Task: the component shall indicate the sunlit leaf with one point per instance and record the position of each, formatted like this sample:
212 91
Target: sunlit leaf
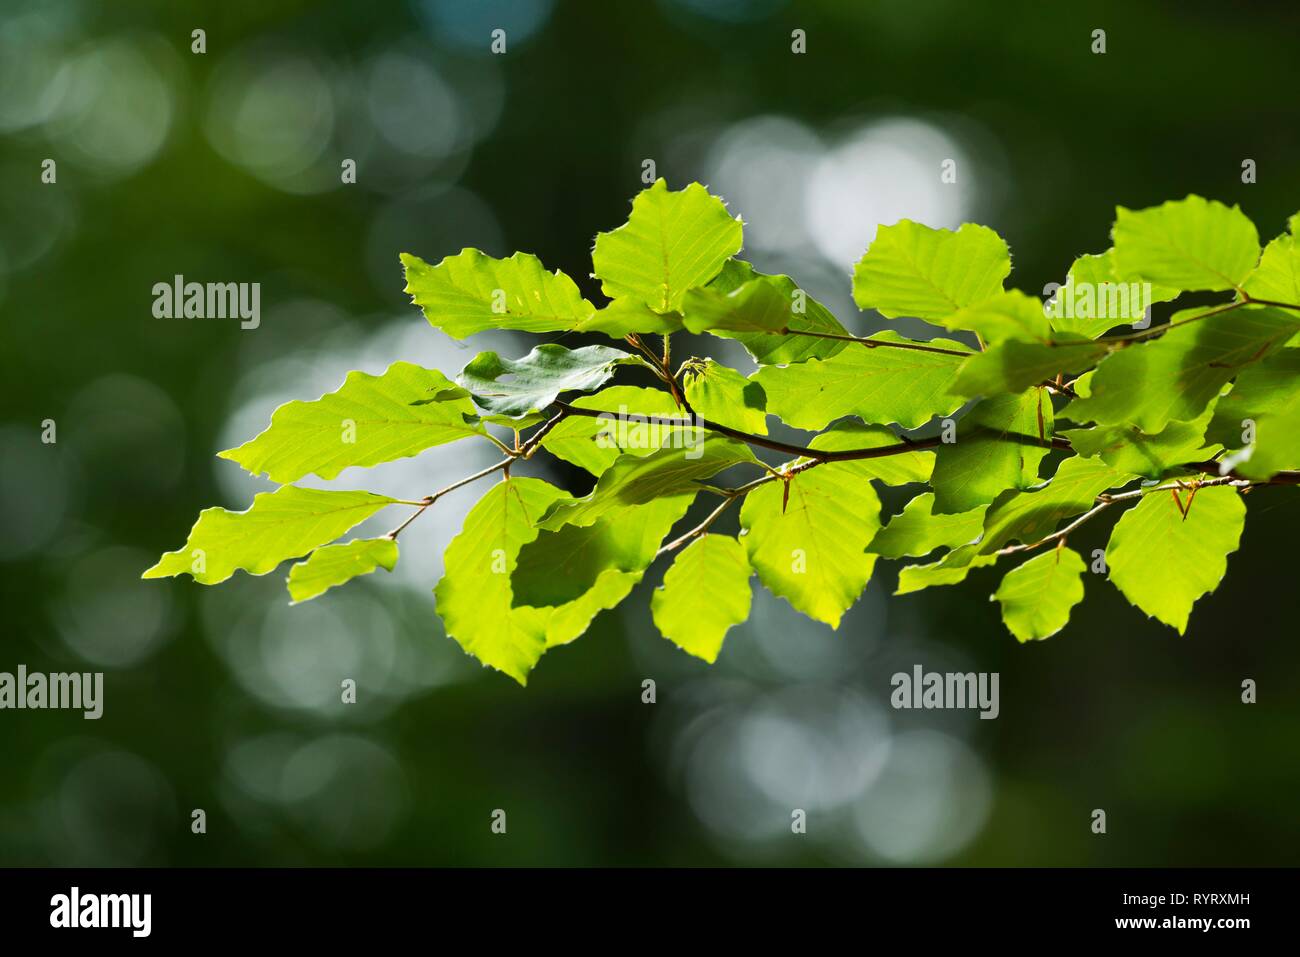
672 242
471 292
913 270
1037 596
1189 243
917 531
704 593
998 446
720 394
809 546
368 420
1163 560
878 385
337 564
286 523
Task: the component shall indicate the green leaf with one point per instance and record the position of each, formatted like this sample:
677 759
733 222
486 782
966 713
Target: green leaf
286 523
879 385
337 564
777 349
913 270
637 424
1008 315
474 597
720 394
1031 515
368 420
1278 274
516 387
900 468
570 620
1094 299
999 445
1264 404
1129 449
672 242
704 593
951 569
1175 377
623 317
1163 562
1186 244
1014 366
1036 597
635 480
811 548
756 307
917 531
471 292
561 566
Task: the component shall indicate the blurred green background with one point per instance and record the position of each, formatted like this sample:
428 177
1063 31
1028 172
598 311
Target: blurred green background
224 166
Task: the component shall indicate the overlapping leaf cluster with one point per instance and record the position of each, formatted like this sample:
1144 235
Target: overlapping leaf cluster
1021 424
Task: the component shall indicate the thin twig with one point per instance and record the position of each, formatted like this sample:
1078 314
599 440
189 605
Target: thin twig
915 347
524 451
1105 501
430 499
877 343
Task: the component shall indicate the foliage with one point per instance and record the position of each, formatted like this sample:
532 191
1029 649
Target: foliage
1172 424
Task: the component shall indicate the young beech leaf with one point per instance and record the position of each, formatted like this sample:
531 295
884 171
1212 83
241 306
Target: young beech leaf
900 468
1129 449
518 387
1036 597
672 242
880 385
1185 244
1278 274
623 317
1267 397
951 569
811 549
720 394
640 421
1030 515
471 291
570 620
913 270
1173 378
474 597
286 523
336 564
758 306
917 531
561 566
368 420
806 315
1010 315
636 480
704 593
1163 561
999 445
1013 366
1095 300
